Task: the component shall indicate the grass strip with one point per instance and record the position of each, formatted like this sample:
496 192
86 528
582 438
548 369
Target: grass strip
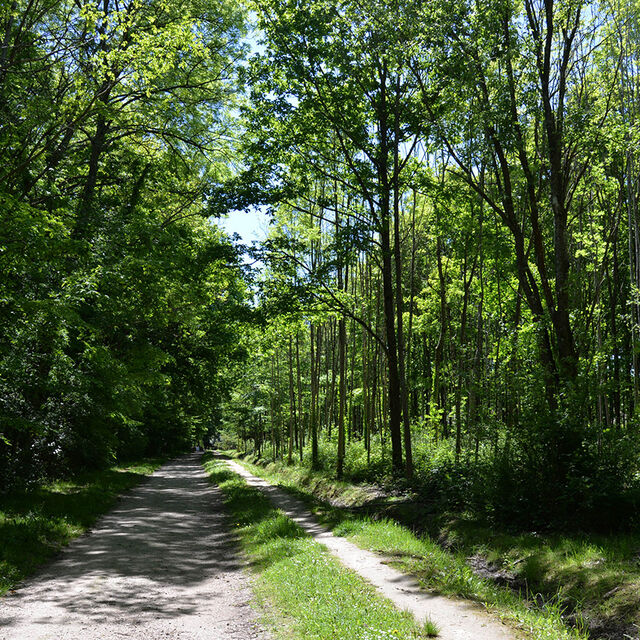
309 593
35 524
436 569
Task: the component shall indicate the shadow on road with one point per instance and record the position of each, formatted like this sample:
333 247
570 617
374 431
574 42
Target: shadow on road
154 556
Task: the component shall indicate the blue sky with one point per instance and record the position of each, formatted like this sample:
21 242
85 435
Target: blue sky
251 225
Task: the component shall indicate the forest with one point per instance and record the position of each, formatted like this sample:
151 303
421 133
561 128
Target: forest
450 289
448 296
120 305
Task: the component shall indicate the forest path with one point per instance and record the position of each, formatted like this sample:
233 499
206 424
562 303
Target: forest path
456 619
161 564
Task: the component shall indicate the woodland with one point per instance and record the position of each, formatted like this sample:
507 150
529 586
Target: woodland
448 296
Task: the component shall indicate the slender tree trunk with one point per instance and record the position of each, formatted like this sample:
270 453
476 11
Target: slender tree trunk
397 251
315 380
342 343
301 434
292 405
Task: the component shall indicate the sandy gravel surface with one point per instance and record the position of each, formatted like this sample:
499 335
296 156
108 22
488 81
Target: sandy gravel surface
161 565
456 619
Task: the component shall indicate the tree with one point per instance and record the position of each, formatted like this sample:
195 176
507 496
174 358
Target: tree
120 303
339 76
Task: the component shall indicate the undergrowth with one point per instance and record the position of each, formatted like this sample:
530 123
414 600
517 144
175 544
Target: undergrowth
599 494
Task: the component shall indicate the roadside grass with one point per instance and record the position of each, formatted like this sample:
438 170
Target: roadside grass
35 524
595 576
307 593
555 615
430 629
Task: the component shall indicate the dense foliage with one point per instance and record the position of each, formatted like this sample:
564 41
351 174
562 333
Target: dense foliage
120 303
451 290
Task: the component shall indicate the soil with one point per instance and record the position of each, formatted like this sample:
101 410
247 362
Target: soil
485 569
161 565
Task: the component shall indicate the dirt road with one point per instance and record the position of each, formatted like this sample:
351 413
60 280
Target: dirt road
161 565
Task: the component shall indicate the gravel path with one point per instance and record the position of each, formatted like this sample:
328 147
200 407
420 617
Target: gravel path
161 565
456 619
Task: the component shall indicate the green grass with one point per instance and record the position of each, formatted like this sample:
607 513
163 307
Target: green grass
36 524
598 576
430 629
307 593
443 570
